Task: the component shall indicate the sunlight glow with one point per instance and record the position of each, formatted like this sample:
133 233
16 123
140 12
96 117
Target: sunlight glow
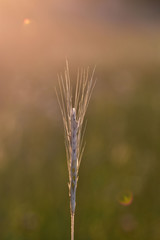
27 21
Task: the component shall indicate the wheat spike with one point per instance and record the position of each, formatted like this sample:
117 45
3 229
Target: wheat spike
73 112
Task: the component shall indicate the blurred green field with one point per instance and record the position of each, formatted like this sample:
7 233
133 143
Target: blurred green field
118 193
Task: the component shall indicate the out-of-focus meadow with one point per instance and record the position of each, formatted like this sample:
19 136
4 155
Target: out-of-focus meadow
118 194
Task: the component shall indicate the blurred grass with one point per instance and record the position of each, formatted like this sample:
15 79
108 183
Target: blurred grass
121 157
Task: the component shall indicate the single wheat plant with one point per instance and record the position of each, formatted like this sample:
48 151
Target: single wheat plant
73 109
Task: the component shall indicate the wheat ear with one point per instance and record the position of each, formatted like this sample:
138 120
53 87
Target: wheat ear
73 112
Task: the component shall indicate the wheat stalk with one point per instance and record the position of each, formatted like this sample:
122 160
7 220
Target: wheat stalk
73 111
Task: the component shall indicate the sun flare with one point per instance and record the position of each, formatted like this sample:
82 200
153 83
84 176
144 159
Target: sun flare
27 21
